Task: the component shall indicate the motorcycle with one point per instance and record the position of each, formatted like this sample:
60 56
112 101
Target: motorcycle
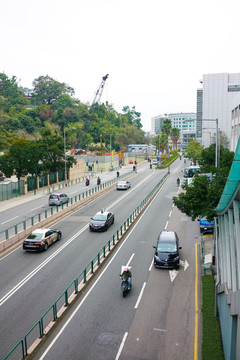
87 182
98 181
124 286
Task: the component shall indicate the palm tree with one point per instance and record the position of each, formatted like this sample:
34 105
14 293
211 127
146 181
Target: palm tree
175 135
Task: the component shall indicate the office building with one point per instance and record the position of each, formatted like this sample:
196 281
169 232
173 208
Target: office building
156 124
186 123
214 101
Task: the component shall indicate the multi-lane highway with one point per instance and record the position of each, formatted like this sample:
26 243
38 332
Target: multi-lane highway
30 282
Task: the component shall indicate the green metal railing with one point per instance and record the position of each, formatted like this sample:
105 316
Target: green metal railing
23 225
63 299
11 190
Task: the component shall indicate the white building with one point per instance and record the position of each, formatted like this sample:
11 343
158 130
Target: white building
156 123
186 123
216 95
235 124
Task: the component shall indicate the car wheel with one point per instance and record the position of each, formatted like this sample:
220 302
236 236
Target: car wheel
113 221
59 237
90 229
106 227
45 246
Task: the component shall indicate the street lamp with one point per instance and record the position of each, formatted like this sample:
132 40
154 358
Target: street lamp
65 157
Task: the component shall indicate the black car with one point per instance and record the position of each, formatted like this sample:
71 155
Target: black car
167 250
101 221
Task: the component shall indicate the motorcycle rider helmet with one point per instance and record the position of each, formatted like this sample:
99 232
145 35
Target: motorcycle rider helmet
126 269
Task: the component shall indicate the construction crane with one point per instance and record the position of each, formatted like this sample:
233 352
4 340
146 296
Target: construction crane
99 91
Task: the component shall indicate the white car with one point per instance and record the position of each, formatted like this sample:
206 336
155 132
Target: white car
123 185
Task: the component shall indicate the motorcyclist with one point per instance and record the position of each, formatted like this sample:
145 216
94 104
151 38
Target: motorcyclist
178 181
98 180
127 275
117 174
87 181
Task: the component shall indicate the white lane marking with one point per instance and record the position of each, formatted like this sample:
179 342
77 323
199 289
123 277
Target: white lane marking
37 207
130 259
10 252
140 296
93 286
121 346
39 267
9 220
166 225
170 214
150 267
159 329
173 274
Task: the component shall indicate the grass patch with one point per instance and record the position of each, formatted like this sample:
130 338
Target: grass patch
211 337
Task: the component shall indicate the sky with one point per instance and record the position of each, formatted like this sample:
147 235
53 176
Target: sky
154 51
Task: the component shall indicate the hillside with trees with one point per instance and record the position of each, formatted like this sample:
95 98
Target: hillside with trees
33 122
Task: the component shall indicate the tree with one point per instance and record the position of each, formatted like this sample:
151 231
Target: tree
193 151
47 90
161 141
200 197
134 117
167 126
9 90
222 139
21 158
175 135
52 151
207 160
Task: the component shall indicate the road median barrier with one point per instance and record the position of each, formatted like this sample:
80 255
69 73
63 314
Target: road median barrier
27 346
19 231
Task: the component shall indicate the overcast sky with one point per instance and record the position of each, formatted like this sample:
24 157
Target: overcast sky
154 51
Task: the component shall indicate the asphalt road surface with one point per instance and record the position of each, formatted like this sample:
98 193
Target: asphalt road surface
103 324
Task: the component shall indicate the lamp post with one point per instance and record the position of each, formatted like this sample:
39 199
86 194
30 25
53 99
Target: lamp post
65 155
65 160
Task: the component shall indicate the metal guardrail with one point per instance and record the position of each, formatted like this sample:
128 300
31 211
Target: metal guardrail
63 299
33 220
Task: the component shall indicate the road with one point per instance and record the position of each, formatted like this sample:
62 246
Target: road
13 215
104 317
30 282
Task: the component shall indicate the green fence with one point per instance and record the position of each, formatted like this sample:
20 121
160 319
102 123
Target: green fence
11 190
27 223
73 287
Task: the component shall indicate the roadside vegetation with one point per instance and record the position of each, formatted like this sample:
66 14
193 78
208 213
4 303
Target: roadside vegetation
211 333
33 123
202 196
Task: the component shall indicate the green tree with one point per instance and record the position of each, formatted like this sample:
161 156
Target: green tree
175 135
134 117
47 90
222 139
161 141
167 126
193 151
21 158
52 151
9 90
200 197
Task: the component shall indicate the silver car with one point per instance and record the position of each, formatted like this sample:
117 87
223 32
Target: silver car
57 199
123 185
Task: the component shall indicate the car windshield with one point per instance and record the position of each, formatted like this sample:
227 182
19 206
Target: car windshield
35 236
168 248
99 217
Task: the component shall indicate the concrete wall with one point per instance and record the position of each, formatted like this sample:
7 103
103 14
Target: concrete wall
78 170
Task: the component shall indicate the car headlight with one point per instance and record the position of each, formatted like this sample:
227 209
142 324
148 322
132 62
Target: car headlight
156 258
102 225
176 258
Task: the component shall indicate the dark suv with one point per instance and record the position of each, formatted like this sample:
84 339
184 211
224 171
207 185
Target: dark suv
167 250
